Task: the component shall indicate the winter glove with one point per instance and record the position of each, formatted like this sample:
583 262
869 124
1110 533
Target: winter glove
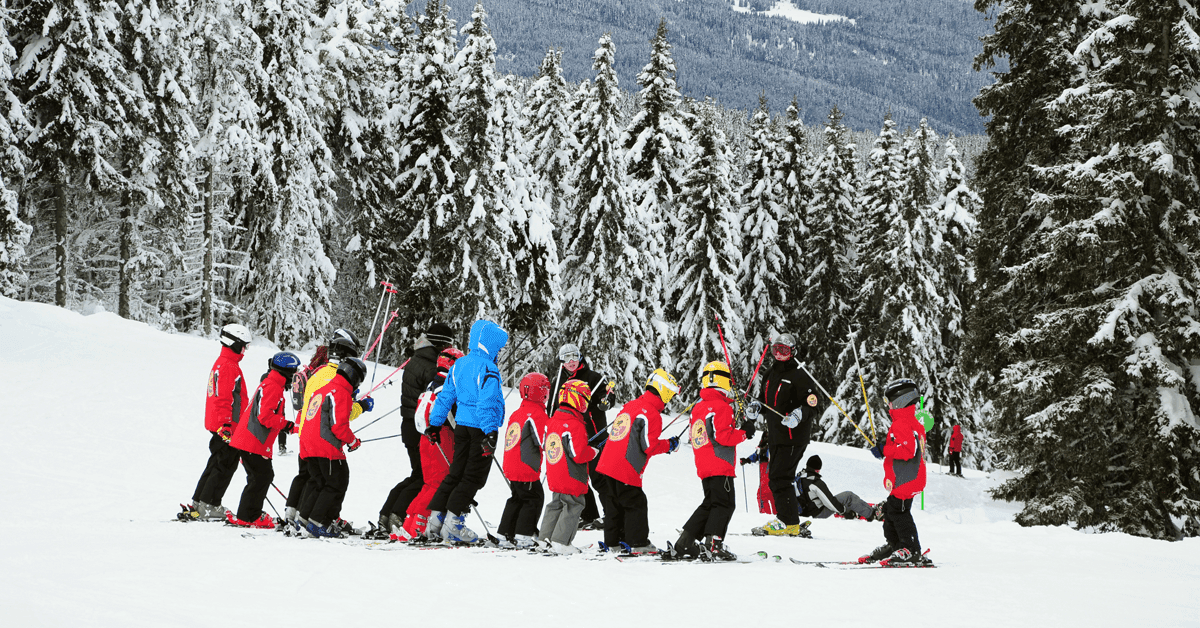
434 434
744 461
792 419
748 428
674 444
489 443
877 451
288 427
367 404
354 445
226 432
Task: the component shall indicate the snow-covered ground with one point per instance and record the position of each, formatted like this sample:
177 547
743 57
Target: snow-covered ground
787 10
103 437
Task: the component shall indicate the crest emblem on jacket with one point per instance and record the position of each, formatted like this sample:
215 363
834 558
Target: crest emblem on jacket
554 448
620 427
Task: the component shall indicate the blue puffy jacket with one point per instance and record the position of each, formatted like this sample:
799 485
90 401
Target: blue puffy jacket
474 382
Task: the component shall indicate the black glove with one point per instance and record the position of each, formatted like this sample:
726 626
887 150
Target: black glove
287 428
744 461
434 433
877 450
489 443
748 428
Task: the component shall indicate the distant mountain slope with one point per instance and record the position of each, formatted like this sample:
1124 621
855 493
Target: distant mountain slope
913 57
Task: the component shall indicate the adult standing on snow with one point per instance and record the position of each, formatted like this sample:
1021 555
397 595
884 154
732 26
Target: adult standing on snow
262 421
222 410
903 454
419 372
632 439
714 442
573 366
474 384
955 449
790 398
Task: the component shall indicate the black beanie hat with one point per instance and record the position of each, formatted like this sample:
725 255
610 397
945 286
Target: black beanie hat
440 335
813 464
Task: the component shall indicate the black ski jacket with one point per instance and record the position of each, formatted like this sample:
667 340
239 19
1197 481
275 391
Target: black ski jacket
418 373
814 496
597 418
785 388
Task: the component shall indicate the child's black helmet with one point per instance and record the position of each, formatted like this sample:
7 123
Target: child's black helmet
344 344
354 370
902 393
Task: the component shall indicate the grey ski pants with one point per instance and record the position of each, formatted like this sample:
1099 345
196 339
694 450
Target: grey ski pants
561 518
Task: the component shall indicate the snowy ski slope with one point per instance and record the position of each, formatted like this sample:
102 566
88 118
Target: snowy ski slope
103 436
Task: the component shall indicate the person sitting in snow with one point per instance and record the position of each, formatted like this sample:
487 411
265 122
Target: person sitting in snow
818 502
254 439
903 455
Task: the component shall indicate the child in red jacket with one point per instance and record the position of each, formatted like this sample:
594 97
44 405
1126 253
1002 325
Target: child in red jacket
254 438
567 456
956 450
903 454
714 442
523 463
436 454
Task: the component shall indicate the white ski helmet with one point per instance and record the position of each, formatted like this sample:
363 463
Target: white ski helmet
235 336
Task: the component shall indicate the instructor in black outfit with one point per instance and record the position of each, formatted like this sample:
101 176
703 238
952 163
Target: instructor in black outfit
791 406
574 366
419 371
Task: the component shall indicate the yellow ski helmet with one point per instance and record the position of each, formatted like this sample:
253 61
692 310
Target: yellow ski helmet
716 374
575 393
663 383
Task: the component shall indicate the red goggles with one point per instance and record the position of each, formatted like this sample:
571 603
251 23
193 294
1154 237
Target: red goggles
781 352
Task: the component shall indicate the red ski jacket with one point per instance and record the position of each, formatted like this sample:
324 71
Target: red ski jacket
714 438
904 454
226 391
633 438
956 440
263 418
568 452
523 442
328 419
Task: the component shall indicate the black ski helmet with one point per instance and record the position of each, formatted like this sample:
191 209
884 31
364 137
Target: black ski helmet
902 393
343 344
354 370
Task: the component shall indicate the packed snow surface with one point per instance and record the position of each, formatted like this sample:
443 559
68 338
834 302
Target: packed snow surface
787 10
104 437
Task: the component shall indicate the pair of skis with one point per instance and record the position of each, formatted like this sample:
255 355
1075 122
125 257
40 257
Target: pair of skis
855 564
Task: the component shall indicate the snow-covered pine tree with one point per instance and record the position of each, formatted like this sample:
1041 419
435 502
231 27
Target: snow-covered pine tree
483 270
954 212
601 258
918 187
426 184
291 201
795 167
156 158
529 309
71 77
761 280
1098 397
706 256
554 147
14 128
657 145
831 281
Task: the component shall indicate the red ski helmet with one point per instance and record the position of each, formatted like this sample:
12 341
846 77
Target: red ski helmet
535 387
447 358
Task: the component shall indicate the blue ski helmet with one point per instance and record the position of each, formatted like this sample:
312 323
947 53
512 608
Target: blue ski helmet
286 362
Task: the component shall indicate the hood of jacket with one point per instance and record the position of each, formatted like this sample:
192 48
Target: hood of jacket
229 354
957 430
487 337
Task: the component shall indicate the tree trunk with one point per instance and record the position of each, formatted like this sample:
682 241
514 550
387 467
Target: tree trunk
60 238
206 279
126 236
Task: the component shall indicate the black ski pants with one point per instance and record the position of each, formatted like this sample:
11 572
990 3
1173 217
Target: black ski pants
259 475
402 495
297 491
468 473
332 480
713 515
899 529
521 511
222 462
626 516
781 474
956 463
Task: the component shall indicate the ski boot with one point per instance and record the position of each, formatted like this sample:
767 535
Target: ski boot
189 513
345 527
685 548
378 532
876 512
714 551
524 542
642 550
456 532
209 512
563 550
433 527
905 557
321 531
878 554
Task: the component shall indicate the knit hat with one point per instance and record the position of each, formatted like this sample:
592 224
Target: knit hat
440 335
813 464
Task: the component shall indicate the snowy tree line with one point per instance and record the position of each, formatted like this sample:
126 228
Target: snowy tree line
193 163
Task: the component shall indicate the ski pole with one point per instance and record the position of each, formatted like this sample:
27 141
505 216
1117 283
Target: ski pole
278 491
378 308
382 438
755 374
490 538
493 457
728 362
835 403
386 379
858 367
385 415
277 512
745 492
386 324
680 415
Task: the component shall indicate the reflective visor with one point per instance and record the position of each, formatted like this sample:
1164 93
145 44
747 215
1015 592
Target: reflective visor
781 352
568 357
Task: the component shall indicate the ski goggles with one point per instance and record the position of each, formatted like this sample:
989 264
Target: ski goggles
781 351
573 356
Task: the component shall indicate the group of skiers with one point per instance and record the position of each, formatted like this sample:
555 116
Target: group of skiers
453 413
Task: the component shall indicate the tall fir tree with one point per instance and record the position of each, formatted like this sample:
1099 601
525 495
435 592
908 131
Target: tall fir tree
14 129
291 200
601 261
706 258
1098 397
762 282
795 168
554 146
